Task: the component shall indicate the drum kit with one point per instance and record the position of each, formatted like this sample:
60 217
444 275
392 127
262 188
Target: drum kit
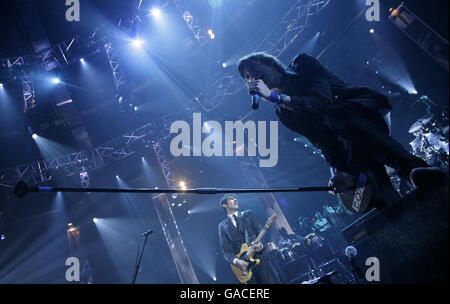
297 258
423 148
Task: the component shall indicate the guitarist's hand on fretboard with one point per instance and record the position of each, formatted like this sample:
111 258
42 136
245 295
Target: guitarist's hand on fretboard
257 247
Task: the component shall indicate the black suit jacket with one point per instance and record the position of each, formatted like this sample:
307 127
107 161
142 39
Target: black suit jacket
232 238
325 110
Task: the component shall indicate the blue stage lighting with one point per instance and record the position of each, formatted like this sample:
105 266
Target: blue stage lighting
34 136
156 12
137 43
56 80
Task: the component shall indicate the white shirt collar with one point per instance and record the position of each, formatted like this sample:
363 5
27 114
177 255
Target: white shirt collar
236 213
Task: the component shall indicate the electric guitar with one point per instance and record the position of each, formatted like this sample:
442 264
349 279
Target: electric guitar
247 253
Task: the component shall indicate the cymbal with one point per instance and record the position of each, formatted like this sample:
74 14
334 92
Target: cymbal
427 119
420 123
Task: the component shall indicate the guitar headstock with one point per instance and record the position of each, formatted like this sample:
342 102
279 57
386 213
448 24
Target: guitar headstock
271 220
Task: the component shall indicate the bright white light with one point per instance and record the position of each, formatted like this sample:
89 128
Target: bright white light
189 211
211 34
56 80
137 43
372 31
34 136
117 176
414 92
156 12
214 279
95 220
82 60
135 108
224 65
182 184
1 85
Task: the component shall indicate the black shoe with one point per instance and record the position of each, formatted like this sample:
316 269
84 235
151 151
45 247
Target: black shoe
426 178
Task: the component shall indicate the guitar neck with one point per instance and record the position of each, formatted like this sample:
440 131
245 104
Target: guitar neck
261 234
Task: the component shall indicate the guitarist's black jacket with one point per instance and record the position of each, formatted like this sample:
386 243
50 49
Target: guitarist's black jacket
232 238
346 123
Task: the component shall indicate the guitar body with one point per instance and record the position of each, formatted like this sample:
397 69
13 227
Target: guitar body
247 254
241 275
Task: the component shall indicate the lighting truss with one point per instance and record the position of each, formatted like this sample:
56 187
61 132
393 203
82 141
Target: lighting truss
114 62
117 149
28 92
276 42
192 22
164 164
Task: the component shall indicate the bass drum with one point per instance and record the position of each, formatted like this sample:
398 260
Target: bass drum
287 255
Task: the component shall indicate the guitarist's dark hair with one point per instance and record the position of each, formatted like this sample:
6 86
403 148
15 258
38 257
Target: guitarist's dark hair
224 200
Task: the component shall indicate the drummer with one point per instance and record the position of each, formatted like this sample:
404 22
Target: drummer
288 239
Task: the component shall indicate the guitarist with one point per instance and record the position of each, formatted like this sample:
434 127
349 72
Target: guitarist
238 228
350 125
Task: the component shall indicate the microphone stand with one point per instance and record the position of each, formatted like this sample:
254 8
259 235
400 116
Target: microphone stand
139 258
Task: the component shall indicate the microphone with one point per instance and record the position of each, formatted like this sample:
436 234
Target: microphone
255 96
351 253
255 101
147 232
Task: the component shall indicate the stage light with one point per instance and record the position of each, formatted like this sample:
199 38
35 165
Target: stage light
137 43
189 212
95 220
214 279
135 108
182 184
56 80
1 85
224 65
34 136
117 176
414 92
156 12
372 31
82 60
70 224
211 34
2 237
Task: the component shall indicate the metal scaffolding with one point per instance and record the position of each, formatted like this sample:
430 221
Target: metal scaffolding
113 58
422 34
200 34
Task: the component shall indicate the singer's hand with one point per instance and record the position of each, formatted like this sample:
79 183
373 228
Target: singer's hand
259 87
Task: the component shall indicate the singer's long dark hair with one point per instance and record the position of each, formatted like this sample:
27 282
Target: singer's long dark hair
263 58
